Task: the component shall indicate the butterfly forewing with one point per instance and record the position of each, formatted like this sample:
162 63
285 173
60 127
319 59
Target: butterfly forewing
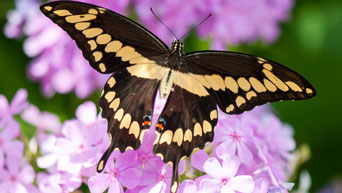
240 82
108 40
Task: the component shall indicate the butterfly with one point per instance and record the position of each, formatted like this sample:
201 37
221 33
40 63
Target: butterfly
194 83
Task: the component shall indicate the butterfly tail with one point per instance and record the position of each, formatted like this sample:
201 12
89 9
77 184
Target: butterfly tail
175 178
102 163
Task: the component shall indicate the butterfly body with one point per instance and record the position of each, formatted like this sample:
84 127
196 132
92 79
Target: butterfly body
194 83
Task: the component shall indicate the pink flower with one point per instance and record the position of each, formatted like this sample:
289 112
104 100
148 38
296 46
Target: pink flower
122 172
13 149
16 177
82 139
18 103
233 139
221 178
46 124
58 182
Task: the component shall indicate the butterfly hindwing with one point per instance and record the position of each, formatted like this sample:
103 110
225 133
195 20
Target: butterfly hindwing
240 81
127 104
107 40
187 122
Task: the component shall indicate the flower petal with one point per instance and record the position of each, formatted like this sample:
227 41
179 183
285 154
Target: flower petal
243 183
99 183
209 185
115 187
198 159
26 175
230 166
19 102
244 153
213 168
227 148
86 113
188 186
130 178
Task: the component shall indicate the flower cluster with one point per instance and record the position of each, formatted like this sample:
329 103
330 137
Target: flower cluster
60 67
251 153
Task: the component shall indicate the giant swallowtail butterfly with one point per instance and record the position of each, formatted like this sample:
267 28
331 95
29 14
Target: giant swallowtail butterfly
194 83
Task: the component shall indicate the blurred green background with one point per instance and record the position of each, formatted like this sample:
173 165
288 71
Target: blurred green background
310 43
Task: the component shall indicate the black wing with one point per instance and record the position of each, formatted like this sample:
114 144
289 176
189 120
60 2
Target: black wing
107 39
240 82
236 82
114 43
127 104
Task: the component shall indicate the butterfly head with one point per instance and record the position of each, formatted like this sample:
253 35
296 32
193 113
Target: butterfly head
177 47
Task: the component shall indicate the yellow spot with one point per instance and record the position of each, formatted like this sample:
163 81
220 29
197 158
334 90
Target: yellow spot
62 12
103 39
118 115
129 148
110 96
116 149
206 127
48 8
82 26
187 82
188 135
100 166
142 133
231 84
250 94
178 136
111 82
216 82
197 129
92 32
239 101
92 45
126 53
160 155
97 56
229 109
174 187
308 91
269 85
102 67
280 84
166 137
257 85
93 11
113 46
134 129
213 115
244 84
267 66
115 104
102 10
102 93
294 86
261 60
126 121
80 18
157 138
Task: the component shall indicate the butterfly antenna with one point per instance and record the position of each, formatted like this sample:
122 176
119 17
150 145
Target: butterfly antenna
163 23
193 28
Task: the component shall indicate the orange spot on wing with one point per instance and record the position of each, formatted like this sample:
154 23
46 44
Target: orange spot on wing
160 126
